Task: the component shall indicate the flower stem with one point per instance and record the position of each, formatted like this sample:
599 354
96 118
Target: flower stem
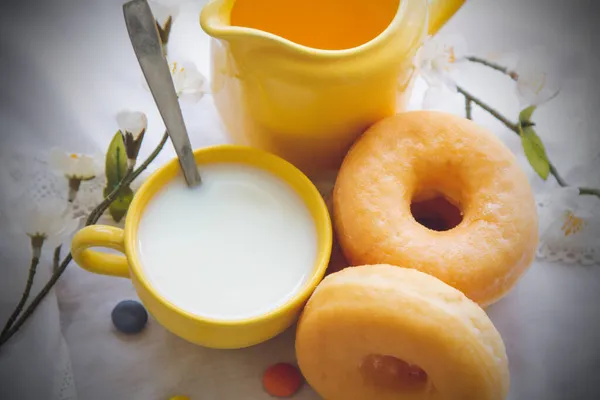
585 191
493 65
56 258
9 330
469 108
515 128
74 184
150 158
32 270
510 125
36 301
557 176
487 63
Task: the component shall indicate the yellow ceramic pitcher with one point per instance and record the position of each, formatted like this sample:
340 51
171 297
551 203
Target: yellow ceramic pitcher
304 78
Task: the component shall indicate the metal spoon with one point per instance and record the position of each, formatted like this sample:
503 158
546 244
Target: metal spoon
143 33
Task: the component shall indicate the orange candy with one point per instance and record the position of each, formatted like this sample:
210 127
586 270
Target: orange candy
282 380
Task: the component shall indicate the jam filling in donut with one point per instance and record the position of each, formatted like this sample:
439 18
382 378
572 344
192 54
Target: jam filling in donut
392 373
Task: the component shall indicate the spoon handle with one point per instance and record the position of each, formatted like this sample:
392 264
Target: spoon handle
143 33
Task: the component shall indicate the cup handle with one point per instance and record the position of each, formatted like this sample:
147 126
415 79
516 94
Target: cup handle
440 12
95 261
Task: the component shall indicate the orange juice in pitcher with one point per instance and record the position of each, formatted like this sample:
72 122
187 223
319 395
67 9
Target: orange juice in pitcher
304 78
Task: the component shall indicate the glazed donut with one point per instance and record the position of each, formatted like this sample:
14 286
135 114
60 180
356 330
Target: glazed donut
438 193
384 332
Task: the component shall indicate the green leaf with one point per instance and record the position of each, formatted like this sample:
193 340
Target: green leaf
115 169
116 161
525 115
535 151
118 208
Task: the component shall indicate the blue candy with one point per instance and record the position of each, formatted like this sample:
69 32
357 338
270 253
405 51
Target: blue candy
129 317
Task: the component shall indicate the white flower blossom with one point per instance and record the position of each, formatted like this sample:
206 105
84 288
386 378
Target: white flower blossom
437 62
132 125
47 222
189 83
75 167
569 220
534 85
133 122
535 88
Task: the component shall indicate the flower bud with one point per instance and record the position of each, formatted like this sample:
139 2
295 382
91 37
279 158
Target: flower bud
132 125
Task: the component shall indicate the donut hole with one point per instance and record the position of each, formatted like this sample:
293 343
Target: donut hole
436 213
392 373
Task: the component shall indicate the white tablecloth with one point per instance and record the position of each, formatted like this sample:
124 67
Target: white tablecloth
68 69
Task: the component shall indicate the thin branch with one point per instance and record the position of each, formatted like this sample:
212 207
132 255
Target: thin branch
150 158
487 63
36 301
469 108
56 258
515 128
98 211
32 269
510 125
585 191
493 65
557 176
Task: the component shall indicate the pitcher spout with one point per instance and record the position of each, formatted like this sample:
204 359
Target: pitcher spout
215 18
216 21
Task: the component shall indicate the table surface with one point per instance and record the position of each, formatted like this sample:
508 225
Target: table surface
72 69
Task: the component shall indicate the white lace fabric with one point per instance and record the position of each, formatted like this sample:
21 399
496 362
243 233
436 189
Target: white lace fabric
28 179
64 382
31 180
569 222
569 254
569 227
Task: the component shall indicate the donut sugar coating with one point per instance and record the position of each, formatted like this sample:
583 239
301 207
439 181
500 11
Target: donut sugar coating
436 192
384 332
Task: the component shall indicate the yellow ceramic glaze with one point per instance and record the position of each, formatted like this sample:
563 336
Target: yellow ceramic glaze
204 331
308 105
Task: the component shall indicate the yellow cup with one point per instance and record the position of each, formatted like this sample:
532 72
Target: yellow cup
223 334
